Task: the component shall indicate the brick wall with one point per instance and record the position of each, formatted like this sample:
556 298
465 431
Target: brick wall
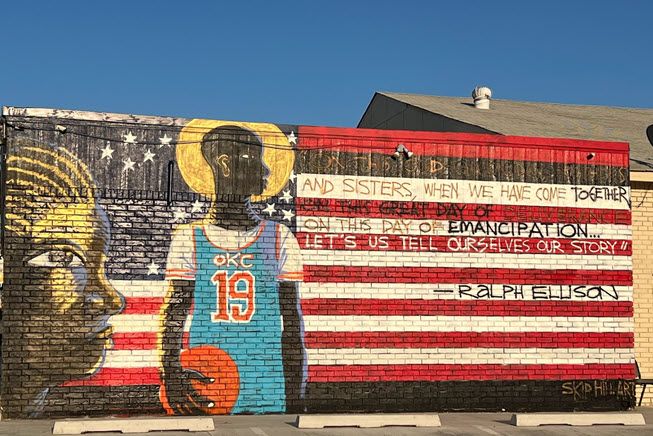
209 267
642 280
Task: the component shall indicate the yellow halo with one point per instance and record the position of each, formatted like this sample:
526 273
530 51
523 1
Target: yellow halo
278 155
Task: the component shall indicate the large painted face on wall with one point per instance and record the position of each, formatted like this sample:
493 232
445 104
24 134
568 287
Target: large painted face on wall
67 235
235 156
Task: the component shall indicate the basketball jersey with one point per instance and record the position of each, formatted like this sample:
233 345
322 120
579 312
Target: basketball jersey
236 308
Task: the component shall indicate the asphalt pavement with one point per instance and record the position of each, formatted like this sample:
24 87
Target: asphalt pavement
274 425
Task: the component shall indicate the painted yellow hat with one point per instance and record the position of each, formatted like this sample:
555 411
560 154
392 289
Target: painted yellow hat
278 155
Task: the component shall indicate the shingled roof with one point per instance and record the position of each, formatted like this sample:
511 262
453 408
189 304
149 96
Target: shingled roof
510 117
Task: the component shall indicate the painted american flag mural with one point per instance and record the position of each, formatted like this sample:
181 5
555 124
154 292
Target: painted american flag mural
469 261
461 272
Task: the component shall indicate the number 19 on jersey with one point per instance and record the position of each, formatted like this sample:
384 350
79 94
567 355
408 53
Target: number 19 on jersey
235 296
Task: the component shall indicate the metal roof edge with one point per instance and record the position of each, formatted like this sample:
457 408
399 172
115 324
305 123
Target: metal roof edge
10 111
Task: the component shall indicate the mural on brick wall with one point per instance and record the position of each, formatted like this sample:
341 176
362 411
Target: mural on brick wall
211 267
231 271
63 328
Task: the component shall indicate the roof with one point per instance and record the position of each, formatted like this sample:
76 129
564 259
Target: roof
508 117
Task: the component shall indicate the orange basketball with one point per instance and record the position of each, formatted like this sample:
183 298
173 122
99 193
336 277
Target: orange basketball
218 365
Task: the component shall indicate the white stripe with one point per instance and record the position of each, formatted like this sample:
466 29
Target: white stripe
464 260
430 291
433 291
141 288
461 191
398 356
140 323
467 356
365 323
339 225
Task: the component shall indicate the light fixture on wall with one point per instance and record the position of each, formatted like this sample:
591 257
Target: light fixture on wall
401 148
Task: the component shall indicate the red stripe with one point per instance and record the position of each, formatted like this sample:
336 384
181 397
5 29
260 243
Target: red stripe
415 372
465 145
135 341
443 372
120 377
332 207
454 244
353 306
415 307
467 340
363 274
142 306
148 341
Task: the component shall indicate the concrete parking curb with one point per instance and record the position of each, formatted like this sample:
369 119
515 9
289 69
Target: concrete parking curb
537 419
368 420
79 426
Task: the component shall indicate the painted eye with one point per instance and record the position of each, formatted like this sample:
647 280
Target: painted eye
56 259
245 156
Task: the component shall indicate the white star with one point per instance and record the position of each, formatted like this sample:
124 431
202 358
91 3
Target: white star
292 138
165 141
129 165
286 196
152 268
287 214
180 215
292 176
270 209
148 156
197 207
107 152
130 138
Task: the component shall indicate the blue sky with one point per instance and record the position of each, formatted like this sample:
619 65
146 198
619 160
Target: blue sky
319 63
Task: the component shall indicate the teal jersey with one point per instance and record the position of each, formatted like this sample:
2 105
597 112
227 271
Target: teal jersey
236 308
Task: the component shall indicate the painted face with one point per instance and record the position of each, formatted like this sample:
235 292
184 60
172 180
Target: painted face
235 157
73 296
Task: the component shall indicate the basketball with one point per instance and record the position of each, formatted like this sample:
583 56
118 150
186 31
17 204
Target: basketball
214 363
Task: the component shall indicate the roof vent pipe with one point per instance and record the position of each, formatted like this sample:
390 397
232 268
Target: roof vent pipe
481 96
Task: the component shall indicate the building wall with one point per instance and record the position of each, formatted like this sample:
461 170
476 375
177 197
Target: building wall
321 273
642 196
